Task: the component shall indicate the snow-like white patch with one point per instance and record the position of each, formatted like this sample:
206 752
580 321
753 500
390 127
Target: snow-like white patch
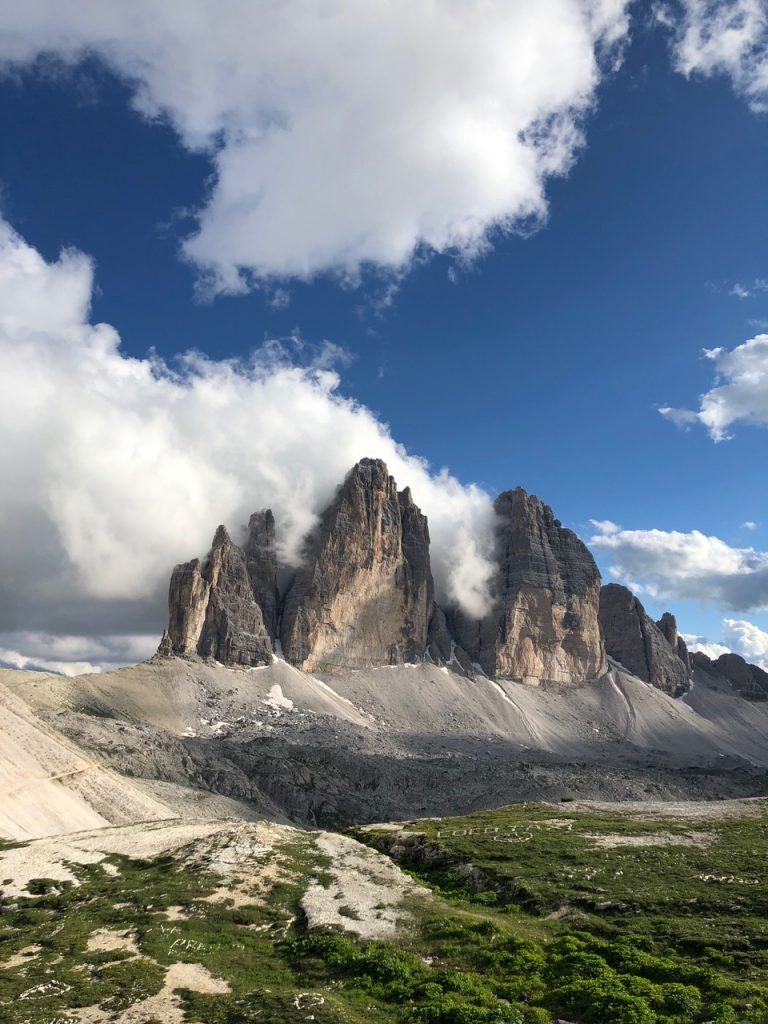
504 696
329 689
366 883
620 692
276 699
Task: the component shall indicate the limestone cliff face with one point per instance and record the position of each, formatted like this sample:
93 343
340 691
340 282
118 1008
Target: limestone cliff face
668 626
639 644
187 604
261 563
749 681
364 596
544 622
212 610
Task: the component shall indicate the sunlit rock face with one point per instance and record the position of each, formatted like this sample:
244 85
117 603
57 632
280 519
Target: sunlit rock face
364 596
636 641
212 609
543 625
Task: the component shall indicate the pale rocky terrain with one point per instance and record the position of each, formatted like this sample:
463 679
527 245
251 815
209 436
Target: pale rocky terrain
377 744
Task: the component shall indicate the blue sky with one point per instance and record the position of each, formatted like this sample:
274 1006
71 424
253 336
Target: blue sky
542 360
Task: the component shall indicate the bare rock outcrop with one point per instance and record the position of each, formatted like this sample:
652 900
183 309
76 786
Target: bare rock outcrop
261 563
668 626
543 625
212 610
749 681
364 596
639 644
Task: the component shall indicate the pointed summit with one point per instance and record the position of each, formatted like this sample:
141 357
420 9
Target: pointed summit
364 596
543 624
212 611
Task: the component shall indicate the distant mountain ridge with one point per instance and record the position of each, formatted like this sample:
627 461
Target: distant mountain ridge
364 596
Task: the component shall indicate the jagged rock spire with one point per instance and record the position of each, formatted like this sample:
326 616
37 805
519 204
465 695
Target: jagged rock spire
543 623
639 644
261 563
364 596
212 611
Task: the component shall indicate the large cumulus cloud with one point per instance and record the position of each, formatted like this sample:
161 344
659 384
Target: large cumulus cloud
670 565
345 134
115 468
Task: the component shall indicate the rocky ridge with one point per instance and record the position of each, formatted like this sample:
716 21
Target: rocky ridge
544 621
749 681
651 651
213 611
364 595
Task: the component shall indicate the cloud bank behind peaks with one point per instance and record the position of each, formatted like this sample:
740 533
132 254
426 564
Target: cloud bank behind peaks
346 134
121 467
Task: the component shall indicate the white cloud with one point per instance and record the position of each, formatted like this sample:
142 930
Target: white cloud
348 134
72 655
605 526
740 394
669 565
749 525
700 644
726 37
748 291
15 659
740 637
120 467
748 640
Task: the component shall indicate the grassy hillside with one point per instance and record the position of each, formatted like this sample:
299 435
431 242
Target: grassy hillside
535 914
628 918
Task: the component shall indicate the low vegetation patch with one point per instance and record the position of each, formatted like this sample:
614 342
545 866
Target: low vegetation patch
627 920
531 920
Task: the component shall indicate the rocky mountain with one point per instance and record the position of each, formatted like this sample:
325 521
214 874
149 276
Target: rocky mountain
213 612
749 681
544 621
261 564
364 595
649 650
668 626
